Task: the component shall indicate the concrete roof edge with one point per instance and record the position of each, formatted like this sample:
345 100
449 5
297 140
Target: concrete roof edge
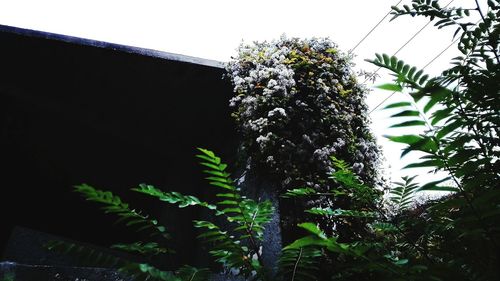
112 46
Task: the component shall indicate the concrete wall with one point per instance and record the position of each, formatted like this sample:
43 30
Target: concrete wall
74 111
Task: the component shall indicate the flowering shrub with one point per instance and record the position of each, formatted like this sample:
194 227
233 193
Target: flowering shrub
297 103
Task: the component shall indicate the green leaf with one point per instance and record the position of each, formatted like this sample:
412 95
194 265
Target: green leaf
207 152
340 213
398 104
222 185
439 188
409 123
386 59
173 197
150 248
449 128
417 75
299 192
312 228
440 114
408 139
113 204
437 95
311 240
406 113
402 193
390 87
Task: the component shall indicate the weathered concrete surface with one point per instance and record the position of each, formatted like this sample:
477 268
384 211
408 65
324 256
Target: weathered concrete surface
11 271
261 189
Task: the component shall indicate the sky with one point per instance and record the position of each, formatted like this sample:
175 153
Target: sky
214 29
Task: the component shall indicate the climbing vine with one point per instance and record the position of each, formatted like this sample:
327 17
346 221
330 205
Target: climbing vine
297 103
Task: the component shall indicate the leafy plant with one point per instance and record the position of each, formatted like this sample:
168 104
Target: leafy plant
402 194
460 111
359 257
238 246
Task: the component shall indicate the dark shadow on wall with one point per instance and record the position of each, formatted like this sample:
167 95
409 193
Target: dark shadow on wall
74 113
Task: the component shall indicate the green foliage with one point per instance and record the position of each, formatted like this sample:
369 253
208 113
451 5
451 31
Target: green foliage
299 192
149 248
350 235
8 276
340 213
402 194
85 254
172 197
453 237
237 246
300 264
136 271
114 205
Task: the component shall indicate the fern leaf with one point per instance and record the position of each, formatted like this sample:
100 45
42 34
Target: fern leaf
299 192
403 71
150 248
248 214
328 212
173 197
402 194
344 175
86 255
226 249
113 204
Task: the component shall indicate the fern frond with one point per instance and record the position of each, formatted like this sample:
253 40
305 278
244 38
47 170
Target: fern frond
86 255
299 192
173 197
404 72
226 249
247 213
383 228
149 248
402 194
329 212
113 204
137 271
216 171
344 175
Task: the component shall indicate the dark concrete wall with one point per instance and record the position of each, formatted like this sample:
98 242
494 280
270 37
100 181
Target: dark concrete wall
73 113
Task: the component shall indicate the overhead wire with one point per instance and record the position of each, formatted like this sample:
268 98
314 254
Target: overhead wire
373 28
406 43
423 68
401 48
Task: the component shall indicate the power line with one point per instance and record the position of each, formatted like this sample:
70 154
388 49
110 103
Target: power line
407 42
401 48
425 66
373 28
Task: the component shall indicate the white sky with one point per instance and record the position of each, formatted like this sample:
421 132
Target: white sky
214 29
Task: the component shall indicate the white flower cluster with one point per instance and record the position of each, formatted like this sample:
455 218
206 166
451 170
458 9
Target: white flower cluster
297 103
